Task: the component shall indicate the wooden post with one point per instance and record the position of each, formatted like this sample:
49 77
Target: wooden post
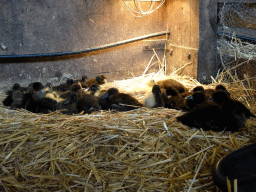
208 59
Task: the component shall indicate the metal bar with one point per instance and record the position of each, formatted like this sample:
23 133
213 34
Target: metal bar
70 55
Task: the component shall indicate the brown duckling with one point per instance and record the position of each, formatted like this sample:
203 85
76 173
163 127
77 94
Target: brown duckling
172 83
88 103
76 104
100 79
69 104
175 100
95 90
76 87
82 80
64 86
113 99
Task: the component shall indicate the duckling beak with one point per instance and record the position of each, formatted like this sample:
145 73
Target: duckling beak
105 96
67 101
189 98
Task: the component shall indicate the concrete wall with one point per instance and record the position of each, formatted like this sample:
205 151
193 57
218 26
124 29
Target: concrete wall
46 26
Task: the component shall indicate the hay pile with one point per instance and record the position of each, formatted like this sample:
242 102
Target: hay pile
140 150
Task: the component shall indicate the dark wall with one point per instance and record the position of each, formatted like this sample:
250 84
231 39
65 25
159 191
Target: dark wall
46 26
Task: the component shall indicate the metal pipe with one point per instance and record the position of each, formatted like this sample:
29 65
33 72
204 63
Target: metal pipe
70 55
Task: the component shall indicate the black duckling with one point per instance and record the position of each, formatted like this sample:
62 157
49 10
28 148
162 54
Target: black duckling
155 98
8 100
206 115
195 99
223 88
227 103
234 112
17 97
40 105
172 83
37 86
208 92
202 89
113 99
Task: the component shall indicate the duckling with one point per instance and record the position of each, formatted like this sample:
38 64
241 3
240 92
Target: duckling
88 103
195 99
76 104
64 86
40 105
94 89
113 99
17 97
52 94
76 87
176 101
208 92
155 98
206 115
234 111
69 104
84 78
223 98
172 83
16 87
222 87
8 100
37 86
100 79
40 91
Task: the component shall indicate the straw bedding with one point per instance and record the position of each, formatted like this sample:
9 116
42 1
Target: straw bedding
140 150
